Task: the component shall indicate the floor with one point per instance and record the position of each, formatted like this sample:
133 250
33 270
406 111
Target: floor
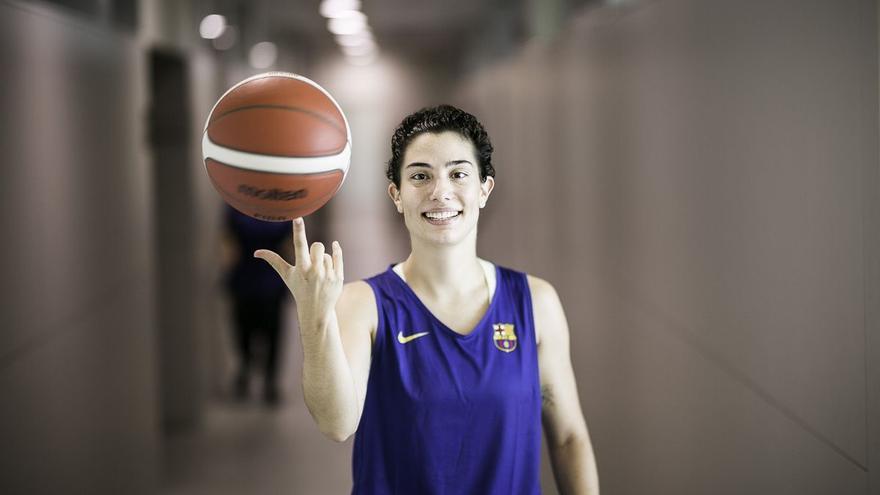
252 449
249 448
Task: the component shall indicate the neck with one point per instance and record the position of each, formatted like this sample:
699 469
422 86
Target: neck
437 270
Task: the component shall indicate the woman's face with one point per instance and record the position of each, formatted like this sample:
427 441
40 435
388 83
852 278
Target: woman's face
440 192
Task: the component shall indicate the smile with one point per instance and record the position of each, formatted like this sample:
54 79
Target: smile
441 217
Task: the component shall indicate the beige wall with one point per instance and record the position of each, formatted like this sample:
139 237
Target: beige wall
689 175
93 363
77 355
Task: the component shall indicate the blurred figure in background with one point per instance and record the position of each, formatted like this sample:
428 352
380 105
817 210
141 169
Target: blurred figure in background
256 295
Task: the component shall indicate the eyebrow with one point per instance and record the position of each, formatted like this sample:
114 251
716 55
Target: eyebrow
448 164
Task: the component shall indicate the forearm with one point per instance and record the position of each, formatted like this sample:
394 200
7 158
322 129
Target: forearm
328 387
574 467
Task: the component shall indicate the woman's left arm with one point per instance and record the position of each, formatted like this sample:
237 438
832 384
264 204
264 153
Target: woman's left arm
568 440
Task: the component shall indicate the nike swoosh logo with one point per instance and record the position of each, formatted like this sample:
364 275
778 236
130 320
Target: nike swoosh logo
409 338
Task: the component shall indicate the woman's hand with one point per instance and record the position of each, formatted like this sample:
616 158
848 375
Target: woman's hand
315 281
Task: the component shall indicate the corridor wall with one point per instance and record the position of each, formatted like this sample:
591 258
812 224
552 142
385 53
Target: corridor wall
691 176
77 352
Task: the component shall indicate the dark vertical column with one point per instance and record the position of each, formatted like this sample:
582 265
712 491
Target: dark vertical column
174 226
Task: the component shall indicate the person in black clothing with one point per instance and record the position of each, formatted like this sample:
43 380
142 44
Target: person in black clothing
257 295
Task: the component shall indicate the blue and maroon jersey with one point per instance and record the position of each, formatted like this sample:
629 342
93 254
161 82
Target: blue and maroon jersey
447 413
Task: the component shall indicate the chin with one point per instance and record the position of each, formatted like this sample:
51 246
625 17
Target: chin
448 237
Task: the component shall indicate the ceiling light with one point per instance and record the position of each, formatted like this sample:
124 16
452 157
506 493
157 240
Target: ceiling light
353 22
263 55
333 8
212 26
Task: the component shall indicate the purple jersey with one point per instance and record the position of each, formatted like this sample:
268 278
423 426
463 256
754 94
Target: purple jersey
447 413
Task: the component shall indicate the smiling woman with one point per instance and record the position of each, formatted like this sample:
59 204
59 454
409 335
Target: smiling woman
439 364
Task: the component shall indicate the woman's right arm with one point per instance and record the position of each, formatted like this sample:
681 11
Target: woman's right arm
336 361
335 325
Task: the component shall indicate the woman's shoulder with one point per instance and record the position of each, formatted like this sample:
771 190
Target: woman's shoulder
535 283
538 285
357 293
358 288
363 292
357 303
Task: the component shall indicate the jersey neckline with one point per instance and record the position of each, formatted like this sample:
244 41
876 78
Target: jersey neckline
474 331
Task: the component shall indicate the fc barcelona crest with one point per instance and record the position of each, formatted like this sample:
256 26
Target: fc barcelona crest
505 337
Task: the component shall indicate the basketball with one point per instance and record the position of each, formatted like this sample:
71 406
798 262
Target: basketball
276 146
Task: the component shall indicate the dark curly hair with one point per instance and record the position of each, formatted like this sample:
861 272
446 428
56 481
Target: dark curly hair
436 120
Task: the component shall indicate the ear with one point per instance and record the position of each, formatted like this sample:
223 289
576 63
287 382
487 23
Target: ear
486 190
394 194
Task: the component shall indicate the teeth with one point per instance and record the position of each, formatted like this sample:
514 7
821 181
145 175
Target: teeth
441 215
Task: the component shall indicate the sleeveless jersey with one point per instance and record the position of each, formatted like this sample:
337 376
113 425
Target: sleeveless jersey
447 413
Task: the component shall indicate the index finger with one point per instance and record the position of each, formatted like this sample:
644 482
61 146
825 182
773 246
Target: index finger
301 244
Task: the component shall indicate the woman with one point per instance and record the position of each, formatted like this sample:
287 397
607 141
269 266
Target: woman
444 365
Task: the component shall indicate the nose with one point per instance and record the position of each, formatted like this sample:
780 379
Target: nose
442 190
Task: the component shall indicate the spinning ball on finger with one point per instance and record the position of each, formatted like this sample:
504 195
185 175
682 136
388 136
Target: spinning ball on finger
276 146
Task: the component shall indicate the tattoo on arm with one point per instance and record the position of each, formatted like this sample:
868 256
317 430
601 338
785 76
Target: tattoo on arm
546 396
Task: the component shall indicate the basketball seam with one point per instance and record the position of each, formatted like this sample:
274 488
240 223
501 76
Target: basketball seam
304 165
322 155
328 171
320 117
291 76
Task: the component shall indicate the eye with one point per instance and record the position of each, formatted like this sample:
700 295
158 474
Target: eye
459 174
418 176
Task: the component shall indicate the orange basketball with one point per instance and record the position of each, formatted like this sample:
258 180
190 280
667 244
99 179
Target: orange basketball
276 146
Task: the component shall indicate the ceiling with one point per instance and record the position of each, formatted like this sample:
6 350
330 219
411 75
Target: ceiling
429 29
432 31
